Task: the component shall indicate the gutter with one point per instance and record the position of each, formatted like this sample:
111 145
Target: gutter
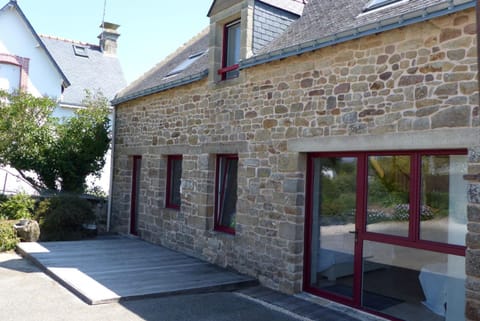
162 87
363 31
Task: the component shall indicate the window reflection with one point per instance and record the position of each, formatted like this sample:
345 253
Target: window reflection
413 284
443 194
388 209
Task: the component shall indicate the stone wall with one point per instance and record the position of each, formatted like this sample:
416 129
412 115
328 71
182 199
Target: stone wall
473 238
417 79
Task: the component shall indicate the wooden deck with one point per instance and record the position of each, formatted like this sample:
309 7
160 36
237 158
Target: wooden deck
116 268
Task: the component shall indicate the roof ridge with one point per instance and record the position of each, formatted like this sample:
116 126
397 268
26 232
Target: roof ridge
83 43
192 40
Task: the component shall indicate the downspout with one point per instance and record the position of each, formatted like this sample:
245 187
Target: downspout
112 162
478 38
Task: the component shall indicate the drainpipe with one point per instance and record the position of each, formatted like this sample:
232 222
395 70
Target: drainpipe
112 156
478 37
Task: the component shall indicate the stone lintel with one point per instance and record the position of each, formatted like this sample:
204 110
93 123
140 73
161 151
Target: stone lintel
181 149
432 139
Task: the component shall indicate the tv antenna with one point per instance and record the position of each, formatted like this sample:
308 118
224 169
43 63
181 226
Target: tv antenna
104 11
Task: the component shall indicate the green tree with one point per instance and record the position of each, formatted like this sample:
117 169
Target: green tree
26 136
81 144
49 153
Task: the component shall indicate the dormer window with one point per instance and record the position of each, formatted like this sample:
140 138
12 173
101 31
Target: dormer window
375 4
231 51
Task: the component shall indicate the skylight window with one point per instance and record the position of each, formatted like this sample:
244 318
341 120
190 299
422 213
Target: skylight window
185 64
375 4
80 51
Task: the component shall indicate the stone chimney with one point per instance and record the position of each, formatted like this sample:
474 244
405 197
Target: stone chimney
108 38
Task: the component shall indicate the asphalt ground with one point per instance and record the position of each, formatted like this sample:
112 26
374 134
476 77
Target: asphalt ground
28 294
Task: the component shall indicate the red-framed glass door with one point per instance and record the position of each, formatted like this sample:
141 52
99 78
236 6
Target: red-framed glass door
385 231
332 230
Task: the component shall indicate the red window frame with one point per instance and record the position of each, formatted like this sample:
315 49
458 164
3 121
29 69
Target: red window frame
227 68
413 239
172 182
221 180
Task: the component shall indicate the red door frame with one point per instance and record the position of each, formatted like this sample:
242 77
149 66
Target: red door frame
412 241
134 195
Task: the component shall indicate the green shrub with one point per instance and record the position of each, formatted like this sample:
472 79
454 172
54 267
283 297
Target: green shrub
61 218
17 206
3 198
8 236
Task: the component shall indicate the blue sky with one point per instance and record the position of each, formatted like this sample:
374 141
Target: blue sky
150 29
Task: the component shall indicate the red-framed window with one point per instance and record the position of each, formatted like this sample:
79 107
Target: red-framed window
410 188
231 50
226 193
174 176
422 185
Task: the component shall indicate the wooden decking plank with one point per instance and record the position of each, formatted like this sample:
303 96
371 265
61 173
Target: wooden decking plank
107 270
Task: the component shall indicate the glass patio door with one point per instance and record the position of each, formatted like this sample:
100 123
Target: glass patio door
331 254
385 232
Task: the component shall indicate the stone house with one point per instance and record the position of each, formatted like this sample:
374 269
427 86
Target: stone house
59 68
331 147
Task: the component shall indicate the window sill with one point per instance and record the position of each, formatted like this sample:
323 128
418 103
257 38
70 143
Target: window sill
224 70
219 83
224 230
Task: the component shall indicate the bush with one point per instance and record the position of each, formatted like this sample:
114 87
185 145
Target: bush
8 236
61 218
3 198
402 212
17 206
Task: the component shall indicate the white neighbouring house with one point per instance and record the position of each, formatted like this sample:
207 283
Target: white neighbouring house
59 68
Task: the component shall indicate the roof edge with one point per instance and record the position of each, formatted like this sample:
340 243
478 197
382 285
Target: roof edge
352 34
15 5
160 88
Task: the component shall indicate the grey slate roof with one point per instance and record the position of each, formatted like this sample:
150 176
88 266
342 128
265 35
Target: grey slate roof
95 72
326 17
156 77
324 22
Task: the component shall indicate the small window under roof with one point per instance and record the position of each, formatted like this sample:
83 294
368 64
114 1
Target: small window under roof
80 51
185 64
375 4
